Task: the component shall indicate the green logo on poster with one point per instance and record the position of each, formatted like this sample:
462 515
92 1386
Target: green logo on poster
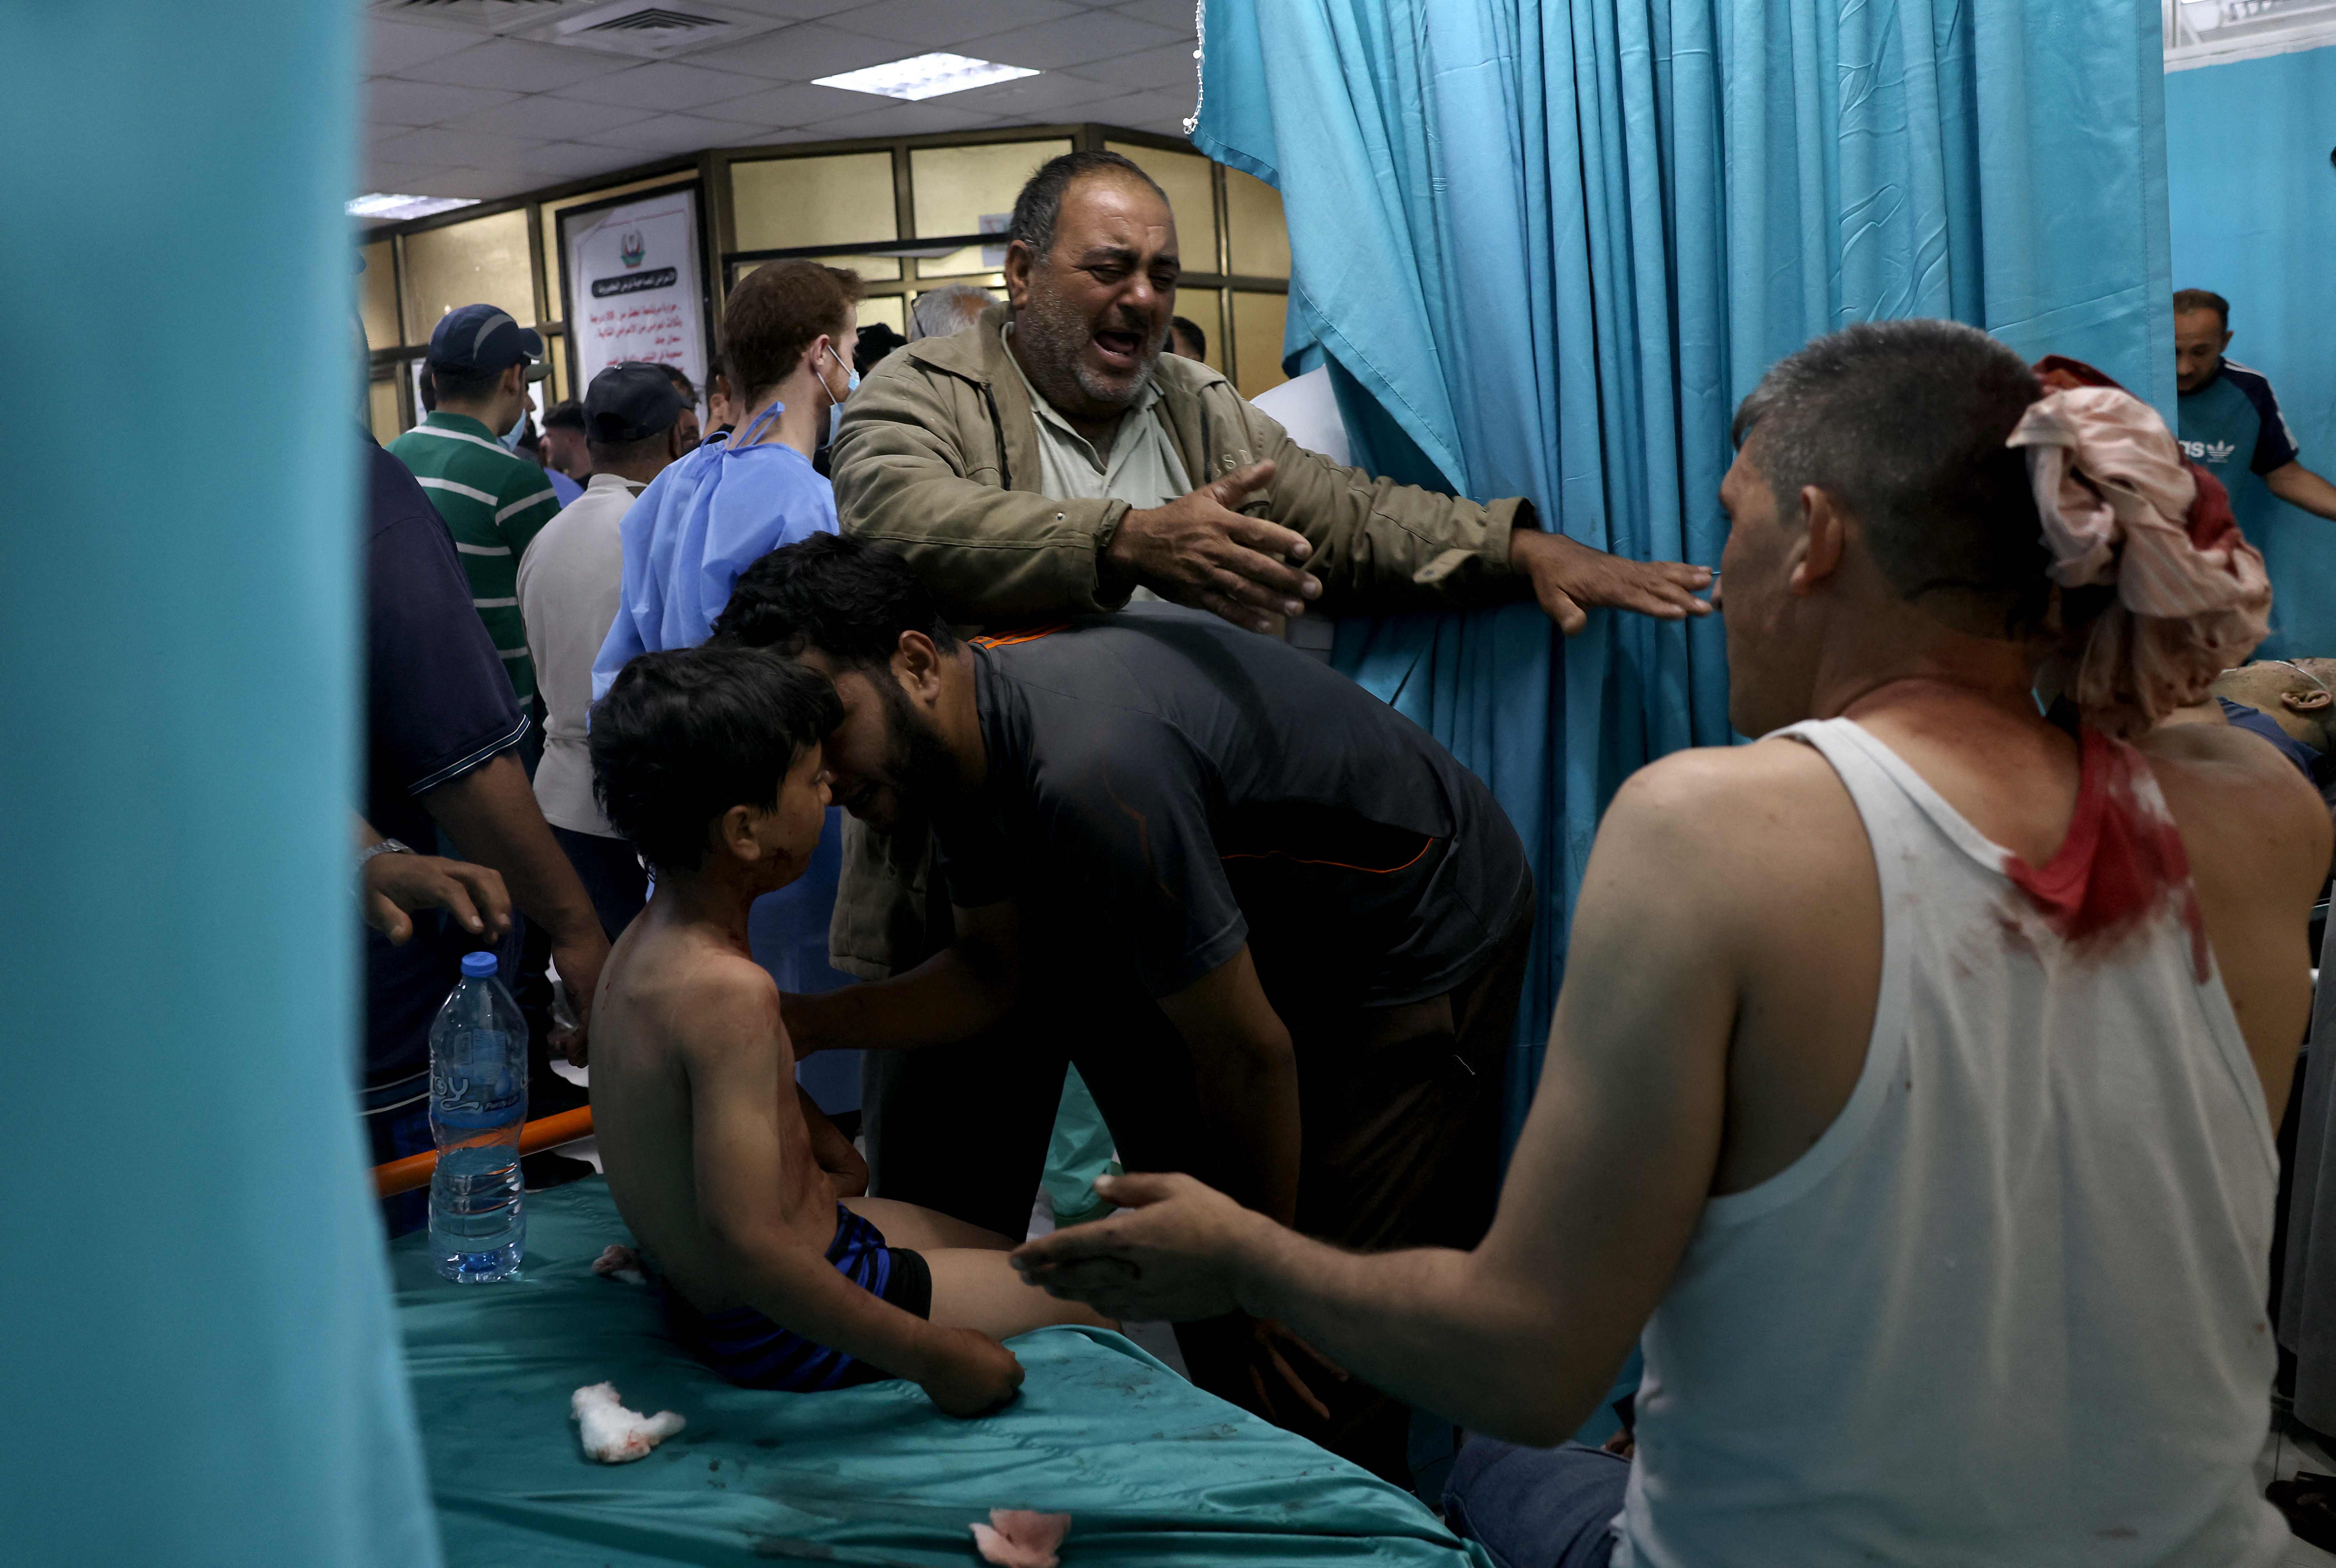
632 248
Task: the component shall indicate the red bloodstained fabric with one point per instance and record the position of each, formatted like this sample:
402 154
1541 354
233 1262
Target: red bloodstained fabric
2122 863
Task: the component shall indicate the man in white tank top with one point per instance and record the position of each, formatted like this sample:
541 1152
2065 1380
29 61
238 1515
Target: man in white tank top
1912 1087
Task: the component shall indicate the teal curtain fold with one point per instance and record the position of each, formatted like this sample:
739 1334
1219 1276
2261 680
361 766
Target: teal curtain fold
1544 246
201 1366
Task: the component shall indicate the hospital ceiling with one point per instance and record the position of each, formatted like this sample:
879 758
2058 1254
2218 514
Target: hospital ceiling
489 98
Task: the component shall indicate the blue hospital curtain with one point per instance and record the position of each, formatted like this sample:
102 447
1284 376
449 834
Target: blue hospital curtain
199 1365
1545 245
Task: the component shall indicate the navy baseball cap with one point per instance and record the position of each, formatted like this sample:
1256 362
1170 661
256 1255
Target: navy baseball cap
630 401
480 338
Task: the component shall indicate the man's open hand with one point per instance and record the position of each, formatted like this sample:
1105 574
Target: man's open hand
975 1375
397 885
1568 577
1199 549
1172 1252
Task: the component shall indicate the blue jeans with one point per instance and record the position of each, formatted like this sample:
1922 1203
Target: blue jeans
1537 1507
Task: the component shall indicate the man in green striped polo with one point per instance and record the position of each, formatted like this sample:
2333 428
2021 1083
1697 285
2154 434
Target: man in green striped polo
494 501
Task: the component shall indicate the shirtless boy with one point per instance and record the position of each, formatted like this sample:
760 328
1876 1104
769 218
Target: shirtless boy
778 1273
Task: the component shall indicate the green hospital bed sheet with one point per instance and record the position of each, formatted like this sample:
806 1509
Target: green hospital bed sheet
1151 1470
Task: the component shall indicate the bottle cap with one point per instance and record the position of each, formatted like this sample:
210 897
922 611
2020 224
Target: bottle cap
479 966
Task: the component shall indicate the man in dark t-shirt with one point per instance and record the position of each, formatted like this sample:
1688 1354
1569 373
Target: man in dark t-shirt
441 727
1278 928
2232 426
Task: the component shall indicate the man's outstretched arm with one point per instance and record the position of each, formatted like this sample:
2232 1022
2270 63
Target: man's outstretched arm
2299 486
1520 1336
492 813
1245 1071
965 988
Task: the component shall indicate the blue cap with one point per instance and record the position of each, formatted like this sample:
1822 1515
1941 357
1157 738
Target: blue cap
479 966
481 337
631 401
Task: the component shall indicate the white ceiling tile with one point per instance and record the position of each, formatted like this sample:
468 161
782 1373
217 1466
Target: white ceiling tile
454 149
806 51
929 24
1178 16
479 184
400 179
798 103
903 119
1032 99
392 103
518 65
1168 69
548 119
392 46
572 161
780 138
794 10
1073 41
666 85
1163 112
674 133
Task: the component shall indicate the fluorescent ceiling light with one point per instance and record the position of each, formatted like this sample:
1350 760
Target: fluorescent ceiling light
926 76
382 205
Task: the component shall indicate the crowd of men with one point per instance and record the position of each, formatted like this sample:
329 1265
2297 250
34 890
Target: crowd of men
1862 1120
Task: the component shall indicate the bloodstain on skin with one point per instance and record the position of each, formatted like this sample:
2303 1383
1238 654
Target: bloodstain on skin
2121 863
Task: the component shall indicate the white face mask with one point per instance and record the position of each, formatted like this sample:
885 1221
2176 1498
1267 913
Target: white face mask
850 385
510 438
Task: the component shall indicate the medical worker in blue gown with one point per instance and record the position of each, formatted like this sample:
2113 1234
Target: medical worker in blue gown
788 332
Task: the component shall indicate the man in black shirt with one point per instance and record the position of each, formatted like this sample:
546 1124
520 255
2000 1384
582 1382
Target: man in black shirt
1278 928
441 732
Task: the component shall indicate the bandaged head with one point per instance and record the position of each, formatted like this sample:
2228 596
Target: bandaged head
2121 508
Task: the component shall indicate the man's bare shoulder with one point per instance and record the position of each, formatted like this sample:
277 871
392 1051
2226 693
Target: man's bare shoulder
2227 785
1721 830
1723 798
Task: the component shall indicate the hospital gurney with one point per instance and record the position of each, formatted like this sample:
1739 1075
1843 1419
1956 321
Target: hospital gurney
1153 1471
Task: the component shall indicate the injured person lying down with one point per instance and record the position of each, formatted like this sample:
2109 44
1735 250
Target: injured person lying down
743 1197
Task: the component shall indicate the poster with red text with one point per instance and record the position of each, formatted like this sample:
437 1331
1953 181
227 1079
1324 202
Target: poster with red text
633 290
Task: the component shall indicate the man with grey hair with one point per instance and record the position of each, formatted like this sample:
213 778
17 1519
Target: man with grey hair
1911 1092
950 308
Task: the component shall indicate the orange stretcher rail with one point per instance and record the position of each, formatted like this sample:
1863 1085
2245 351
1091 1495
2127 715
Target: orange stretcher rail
414 1171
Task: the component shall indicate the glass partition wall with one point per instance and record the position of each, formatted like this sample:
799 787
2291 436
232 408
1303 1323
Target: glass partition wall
907 213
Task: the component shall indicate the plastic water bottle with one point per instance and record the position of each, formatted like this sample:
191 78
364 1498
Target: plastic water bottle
477 1102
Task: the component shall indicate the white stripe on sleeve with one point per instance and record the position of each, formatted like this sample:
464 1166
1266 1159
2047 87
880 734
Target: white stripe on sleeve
460 490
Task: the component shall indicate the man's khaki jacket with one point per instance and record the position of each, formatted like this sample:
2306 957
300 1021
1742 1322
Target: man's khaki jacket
937 457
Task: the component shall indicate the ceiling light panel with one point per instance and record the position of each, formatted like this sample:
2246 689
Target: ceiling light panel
391 208
925 76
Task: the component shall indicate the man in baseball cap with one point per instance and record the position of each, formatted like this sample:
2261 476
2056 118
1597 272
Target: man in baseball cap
568 584
494 501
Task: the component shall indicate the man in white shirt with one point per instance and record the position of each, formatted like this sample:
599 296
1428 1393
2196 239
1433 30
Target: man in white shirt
569 582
